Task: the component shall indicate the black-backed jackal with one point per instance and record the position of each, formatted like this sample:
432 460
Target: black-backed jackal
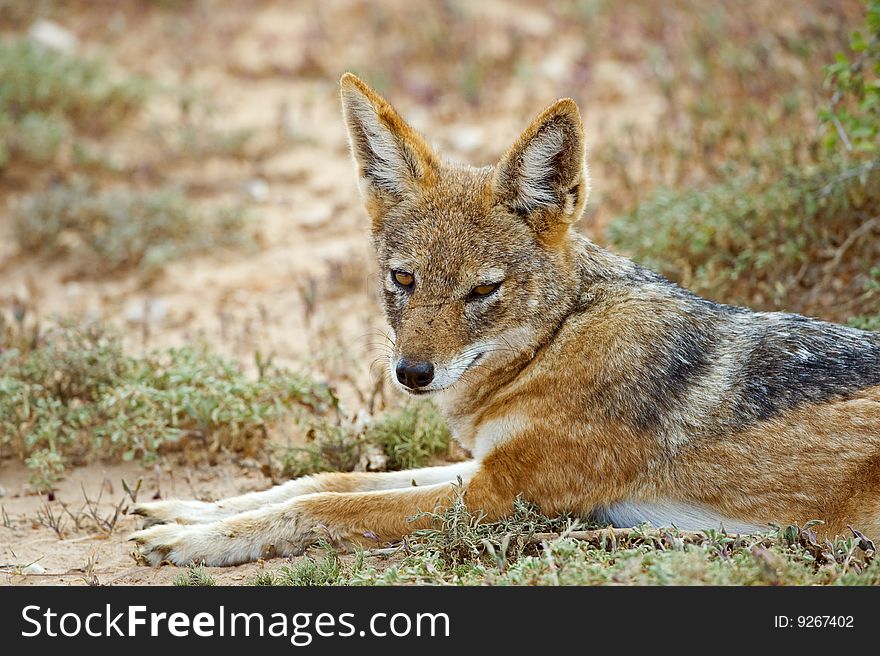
576 378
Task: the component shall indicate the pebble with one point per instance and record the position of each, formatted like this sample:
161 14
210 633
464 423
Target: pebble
52 36
257 189
467 138
34 568
151 311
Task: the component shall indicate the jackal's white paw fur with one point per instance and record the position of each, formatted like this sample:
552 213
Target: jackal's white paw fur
207 544
273 531
173 543
176 510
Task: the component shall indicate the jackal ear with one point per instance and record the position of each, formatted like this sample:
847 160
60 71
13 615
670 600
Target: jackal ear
391 157
543 176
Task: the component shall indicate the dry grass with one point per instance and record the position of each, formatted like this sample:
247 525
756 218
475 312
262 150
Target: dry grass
531 549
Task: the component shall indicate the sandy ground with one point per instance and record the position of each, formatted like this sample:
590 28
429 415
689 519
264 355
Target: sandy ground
273 67
86 546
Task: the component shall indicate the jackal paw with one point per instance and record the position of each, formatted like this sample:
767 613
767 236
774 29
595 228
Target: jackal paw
240 539
171 543
186 544
175 510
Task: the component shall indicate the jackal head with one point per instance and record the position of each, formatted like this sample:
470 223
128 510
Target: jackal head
477 264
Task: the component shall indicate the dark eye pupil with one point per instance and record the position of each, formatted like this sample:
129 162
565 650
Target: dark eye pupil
403 279
484 290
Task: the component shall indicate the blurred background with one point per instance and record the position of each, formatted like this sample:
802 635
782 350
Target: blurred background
184 261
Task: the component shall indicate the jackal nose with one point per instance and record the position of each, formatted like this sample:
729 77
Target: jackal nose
414 374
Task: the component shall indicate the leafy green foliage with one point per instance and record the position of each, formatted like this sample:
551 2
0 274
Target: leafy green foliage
71 393
866 322
767 242
329 447
312 571
408 436
854 112
48 100
194 576
119 228
790 225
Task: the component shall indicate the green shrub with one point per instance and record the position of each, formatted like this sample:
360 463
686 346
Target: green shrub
408 436
854 112
792 225
312 571
329 447
105 231
47 99
772 243
71 393
263 577
194 576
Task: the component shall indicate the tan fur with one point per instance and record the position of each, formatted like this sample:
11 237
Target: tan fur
537 409
819 462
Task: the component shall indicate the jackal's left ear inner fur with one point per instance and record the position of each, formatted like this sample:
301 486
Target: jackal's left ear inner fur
392 158
543 177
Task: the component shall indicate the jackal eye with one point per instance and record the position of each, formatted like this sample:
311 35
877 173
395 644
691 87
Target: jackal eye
481 291
403 279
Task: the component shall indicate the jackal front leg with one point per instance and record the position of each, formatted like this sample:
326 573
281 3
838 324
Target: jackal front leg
204 512
290 527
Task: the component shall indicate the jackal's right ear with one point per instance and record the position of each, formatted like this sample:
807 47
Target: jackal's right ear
543 177
392 158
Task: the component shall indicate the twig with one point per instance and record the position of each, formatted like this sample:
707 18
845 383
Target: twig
848 174
831 266
837 126
856 234
47 518
106 524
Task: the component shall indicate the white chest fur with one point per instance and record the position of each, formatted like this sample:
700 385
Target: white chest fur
481 438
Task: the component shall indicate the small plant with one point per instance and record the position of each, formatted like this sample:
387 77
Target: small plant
263 578
312 571
105 231
91 511
71 392
194 576
410 436
48 101
329 447
458 536
57 522
47 468
407 437
854 111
